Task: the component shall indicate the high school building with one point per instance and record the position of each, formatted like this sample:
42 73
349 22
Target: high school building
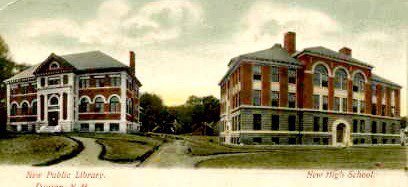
315 96
88 91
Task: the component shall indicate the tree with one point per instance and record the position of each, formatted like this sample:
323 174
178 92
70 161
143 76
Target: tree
7 69
152 110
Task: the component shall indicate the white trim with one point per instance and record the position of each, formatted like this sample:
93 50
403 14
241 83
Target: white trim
113 95
19 95
359 71
99 76
14 102
84 77
52 63
277 132
341 67
330 73
20 116
99 95
375 134
346 134
52 96
84 96
106 87
25 101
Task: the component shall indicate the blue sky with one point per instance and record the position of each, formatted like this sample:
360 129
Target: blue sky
183 47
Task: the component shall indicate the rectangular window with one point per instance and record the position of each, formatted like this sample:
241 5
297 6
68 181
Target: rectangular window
384 128
325 81
99 127
362 106
257 121
325 141
337 104
99 82
325 103
383 110
355 125
362 126
115 81
114 127
292 100
344 104
362 141
24 89
325 124
256 70
65 79
292 123
292 141
355 141
374 109
384 141
84 127
275 122
256 97
83 83
292 76
374 141
316 102
274 98
374 127
355 105
274 74
373 90
24 128
275 140
54 81
316 123
316 141
257 140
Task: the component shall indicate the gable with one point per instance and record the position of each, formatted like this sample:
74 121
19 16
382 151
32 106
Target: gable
54 65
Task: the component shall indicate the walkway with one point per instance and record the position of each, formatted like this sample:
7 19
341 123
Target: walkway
89 156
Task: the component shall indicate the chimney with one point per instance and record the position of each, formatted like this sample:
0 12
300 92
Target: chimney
132 62
346 51
290 42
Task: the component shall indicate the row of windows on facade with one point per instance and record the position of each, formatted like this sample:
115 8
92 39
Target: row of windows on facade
320 124
101 82
99 127
319 141
274 98
359 127
274 76
25 109
114 105
357 141
320 78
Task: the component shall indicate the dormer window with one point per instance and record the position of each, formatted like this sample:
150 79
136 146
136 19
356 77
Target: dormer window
54 65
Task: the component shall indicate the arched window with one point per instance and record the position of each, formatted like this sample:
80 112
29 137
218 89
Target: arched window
24 108
340 79
99 105
358 82
321 76
84 105
13 111
114 104
54 101
34 108
54 65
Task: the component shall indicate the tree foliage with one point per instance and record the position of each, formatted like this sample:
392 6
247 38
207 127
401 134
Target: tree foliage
196 111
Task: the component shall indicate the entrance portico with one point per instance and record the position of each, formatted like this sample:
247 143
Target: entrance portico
341 133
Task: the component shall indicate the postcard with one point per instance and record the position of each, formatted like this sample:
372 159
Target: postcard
203 93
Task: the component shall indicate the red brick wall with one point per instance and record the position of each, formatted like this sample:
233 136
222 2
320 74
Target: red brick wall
368 98
350 96
283 89
99 116
387 101
379 98
308 91
266 86
331 93
246 84
397 102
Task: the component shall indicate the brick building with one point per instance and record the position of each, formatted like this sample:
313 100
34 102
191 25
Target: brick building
315 96
88 91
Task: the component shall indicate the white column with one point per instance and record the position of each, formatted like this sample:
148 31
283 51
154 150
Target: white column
46 108
122 124
8 103
61 106
38 108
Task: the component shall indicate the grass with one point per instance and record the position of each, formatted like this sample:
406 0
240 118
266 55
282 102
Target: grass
124 147
389 157
34 149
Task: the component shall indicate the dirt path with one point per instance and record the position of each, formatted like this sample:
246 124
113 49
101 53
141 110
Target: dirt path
89 156
175 155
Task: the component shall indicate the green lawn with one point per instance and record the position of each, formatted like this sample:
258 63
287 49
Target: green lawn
124 147
390 157
34 149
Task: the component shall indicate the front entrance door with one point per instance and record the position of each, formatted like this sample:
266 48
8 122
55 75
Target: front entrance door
53 118
340 132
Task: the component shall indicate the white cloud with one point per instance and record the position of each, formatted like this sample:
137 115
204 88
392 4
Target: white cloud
118 24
